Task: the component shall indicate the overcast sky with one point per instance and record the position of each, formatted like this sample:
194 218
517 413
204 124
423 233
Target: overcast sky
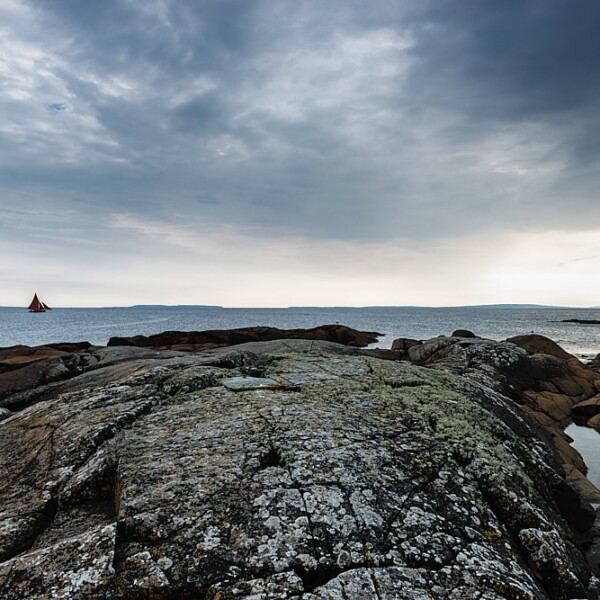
275 153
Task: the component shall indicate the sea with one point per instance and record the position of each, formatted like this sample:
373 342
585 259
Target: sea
98 325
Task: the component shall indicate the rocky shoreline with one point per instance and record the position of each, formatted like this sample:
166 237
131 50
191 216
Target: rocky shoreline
296 464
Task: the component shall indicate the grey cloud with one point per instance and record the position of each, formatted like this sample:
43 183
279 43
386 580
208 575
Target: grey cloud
56 107
333 120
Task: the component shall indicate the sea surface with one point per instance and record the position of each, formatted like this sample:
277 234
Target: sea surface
587 442
97 325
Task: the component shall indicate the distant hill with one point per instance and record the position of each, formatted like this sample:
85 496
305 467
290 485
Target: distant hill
466 307
175 306
508 306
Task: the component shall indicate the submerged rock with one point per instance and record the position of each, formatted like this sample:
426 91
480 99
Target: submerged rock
359 478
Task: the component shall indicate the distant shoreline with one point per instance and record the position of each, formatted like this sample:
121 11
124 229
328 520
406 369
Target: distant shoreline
374 307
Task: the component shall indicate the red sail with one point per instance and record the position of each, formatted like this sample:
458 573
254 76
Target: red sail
36 305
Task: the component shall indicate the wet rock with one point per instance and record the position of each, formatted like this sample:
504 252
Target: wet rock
153 478
203 340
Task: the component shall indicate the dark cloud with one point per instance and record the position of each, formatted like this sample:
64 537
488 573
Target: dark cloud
327 120
508 59
56 107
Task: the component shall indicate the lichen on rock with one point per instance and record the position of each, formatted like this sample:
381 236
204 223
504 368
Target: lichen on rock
310 475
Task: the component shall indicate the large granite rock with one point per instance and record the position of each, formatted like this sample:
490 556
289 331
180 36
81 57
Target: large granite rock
539 344
203 340
296 470
30 373
532 370
25 367
535 372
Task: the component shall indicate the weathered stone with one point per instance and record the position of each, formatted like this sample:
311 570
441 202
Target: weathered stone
587 490
560 441
594 422
539 344
587 408
151 478
546 382
558 406
404 344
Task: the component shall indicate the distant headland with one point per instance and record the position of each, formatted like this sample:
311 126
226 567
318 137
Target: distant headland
175 306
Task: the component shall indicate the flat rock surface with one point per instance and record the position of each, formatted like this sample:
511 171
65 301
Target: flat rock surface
359 478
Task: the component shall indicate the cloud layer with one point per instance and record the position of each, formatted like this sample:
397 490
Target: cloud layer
256 136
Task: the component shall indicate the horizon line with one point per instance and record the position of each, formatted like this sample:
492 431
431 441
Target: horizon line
501 305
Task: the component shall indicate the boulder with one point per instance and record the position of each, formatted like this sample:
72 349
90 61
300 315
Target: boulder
26 367
539 344
587 408
594 422
259 473
550 382
595 362
404 344
191 341
17 357
463 333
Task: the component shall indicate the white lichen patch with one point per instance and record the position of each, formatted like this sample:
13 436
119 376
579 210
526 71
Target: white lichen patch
368 480
75 567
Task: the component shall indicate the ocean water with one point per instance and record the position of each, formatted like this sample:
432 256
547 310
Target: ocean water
587 442
97 325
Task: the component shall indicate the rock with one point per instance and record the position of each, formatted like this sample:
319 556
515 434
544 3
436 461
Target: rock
17 357
202 340
428 352
383 353
539 344
595 362
594 422
70 346
24 367
156 478
28 377
544 381
587 408
561 442
582 321
463 333
404 344
557 406
585 488
4 413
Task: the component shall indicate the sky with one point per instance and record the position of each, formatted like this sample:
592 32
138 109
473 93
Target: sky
276 153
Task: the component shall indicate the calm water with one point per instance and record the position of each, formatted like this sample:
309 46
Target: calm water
97 325
587 442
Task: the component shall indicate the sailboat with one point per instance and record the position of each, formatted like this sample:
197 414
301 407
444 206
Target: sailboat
37 305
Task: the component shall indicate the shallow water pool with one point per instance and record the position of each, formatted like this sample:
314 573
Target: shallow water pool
587 442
